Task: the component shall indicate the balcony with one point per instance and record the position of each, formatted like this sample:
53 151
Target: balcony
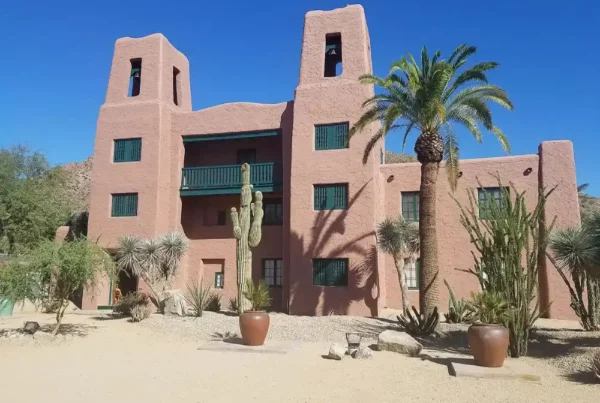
227 179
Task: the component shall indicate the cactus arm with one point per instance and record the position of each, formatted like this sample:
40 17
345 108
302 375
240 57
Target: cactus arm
255 234
237 231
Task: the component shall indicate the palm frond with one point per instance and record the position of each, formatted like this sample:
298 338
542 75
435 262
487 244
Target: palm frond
452 157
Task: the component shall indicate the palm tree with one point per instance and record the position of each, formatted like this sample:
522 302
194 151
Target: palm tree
153 260
399 238
432 98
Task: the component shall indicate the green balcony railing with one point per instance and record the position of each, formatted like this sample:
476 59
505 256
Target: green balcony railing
227 179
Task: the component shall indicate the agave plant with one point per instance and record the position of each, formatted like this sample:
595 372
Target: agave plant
489 308
418 324
458 310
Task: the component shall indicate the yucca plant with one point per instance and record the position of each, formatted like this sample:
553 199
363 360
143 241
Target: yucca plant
458 310
400 239
153 260
198 297
258 295
576 254
433 98
489 308
417 324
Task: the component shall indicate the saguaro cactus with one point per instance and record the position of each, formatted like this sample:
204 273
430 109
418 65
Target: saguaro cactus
247 234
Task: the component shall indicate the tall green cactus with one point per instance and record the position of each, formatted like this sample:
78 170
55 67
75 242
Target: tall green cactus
247 235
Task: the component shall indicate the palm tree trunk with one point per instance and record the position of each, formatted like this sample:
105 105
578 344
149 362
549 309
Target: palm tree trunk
428 284
399 262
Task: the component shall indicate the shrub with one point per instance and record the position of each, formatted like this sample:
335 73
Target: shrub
131 300
489 308
140 312
417 324
458 310
198 297
233 304
214 302
258 295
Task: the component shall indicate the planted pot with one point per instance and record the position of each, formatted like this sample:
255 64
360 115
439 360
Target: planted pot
6 307
254 326
488 344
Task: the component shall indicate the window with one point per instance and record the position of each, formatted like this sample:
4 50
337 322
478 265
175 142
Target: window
176 86
331 197
221 217
273 209
219 279
124 204
246 156
273 272
135 77
331 137
330 272
128 150
410 206
412 270
487 197
333 55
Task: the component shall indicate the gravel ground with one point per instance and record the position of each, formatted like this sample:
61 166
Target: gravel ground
110 359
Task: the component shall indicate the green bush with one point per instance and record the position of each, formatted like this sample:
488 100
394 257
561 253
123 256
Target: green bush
258 295
214 302
131 300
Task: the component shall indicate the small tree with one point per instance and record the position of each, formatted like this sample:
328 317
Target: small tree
576 255
53 272
400 239
153 260
508 241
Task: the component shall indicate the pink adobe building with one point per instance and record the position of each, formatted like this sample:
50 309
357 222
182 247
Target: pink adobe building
161 167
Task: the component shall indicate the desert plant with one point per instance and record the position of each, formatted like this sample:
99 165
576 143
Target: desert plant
140 312
508 242
128 301
419 324
247 234
52 272
257 293
399 238
198 297
214 302
489 308
153 260
233 304
596 364
458 310
576 255
433 97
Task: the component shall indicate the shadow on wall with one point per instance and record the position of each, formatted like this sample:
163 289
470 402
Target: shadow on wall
362 273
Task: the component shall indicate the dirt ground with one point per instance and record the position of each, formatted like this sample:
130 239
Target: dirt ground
110 360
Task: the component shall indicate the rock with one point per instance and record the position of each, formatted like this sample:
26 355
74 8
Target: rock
31 327
362 353
174 303
337 351
398 342
43 336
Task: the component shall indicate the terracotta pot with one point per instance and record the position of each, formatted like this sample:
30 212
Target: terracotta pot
254 327
489 344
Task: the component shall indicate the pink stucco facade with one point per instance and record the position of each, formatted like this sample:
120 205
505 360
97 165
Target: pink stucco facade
166 129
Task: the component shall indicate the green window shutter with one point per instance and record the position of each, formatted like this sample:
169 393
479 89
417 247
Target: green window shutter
330 272
124 205
410 206
331 137
128 150
331 197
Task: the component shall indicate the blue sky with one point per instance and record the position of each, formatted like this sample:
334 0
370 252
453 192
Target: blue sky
56 59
